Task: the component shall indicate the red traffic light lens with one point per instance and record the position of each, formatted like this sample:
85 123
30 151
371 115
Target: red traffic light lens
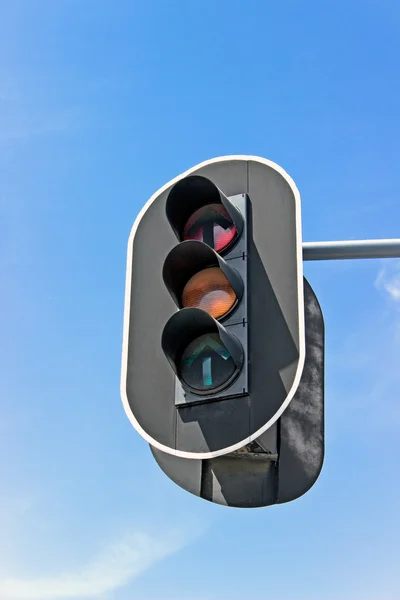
212 225
211 291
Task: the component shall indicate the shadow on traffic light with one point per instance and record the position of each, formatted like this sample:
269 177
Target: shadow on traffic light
273 351
302 424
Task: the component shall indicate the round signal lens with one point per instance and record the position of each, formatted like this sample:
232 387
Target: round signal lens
211 291
206 363
212 225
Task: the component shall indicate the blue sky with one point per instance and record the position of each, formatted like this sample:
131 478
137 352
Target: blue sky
100 104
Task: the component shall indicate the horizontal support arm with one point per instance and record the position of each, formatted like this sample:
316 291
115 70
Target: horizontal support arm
351 249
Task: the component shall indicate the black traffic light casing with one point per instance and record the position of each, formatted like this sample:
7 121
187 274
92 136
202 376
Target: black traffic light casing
191 196
269 353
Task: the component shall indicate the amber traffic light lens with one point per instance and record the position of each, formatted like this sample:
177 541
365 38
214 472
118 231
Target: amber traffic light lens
212 225
211 291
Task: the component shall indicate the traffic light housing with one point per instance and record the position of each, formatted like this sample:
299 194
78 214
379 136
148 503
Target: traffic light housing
214 331
205 342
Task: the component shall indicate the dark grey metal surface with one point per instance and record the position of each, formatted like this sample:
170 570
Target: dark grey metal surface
273 318
301 448
256 480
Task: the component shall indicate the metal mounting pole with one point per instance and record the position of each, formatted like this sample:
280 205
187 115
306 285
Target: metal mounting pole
351 249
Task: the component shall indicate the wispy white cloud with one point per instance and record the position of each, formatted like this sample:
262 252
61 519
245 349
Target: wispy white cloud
116 566
364 368
388 280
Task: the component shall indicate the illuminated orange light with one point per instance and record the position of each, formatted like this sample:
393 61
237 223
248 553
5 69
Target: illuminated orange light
209 290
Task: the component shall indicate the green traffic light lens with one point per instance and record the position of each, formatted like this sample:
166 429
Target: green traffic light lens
206 364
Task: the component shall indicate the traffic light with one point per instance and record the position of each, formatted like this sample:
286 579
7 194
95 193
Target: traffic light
205 342
214 328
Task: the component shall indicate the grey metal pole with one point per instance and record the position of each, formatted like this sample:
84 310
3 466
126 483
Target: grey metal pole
351 249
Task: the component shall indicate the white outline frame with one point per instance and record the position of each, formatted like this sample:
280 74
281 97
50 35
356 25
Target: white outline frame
302 340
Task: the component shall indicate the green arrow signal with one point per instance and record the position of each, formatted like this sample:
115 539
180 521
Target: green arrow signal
213 345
